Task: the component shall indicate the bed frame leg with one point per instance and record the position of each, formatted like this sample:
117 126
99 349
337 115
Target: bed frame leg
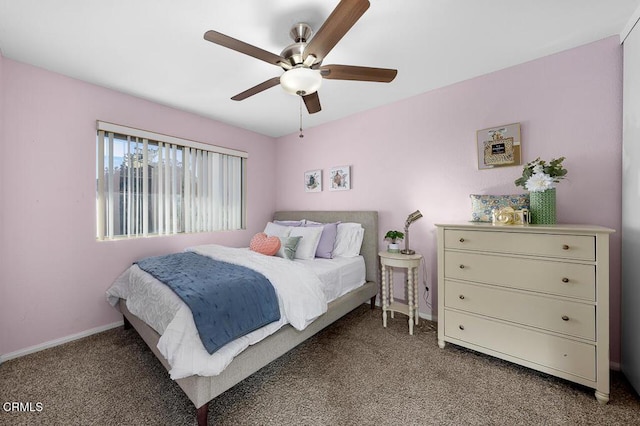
127 324
201 414
373 302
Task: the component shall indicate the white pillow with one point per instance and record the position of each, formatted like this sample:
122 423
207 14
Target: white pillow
348 240
273 229
309 242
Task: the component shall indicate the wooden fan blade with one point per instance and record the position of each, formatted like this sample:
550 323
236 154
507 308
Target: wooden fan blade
242 47
350 72
312 103
343 17
257 89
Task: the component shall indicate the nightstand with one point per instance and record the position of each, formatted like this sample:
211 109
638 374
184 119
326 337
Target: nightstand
410 262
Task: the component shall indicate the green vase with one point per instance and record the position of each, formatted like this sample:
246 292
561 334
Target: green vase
543 207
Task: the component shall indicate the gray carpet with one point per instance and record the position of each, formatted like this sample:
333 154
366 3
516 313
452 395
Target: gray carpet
354 372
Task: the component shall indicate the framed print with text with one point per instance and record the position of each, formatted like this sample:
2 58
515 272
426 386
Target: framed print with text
499 146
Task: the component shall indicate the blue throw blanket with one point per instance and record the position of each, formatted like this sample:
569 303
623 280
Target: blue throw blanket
227 301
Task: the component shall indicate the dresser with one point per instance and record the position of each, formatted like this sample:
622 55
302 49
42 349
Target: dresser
534 295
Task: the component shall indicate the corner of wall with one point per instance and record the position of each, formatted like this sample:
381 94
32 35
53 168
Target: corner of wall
2 225
631 23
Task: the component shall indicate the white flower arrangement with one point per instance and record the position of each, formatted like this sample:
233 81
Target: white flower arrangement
538 176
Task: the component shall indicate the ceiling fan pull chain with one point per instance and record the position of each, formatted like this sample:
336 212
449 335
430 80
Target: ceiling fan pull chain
301 135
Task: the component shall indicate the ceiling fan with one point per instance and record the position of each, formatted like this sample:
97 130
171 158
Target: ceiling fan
302 60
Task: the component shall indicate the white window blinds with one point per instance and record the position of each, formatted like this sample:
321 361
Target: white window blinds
153 184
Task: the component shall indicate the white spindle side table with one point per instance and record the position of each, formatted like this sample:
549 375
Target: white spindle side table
411 262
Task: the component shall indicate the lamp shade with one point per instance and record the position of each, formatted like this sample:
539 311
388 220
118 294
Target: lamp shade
413 217
301 81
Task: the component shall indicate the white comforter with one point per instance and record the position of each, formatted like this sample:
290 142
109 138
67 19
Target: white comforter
300 297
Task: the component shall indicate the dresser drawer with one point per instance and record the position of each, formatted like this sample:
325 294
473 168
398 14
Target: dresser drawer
563 279
578 247
560 316
545 350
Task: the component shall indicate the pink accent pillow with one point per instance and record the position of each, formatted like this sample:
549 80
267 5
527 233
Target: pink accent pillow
263 244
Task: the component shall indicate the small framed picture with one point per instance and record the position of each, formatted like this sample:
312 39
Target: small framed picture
340 178
499 146
313 181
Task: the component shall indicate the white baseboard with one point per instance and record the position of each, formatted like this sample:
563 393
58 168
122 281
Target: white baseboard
58 342
427 317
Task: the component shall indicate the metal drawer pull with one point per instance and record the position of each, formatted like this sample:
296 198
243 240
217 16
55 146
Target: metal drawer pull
462 240
461 297
461 266
565 280
565 318
461 327
565 247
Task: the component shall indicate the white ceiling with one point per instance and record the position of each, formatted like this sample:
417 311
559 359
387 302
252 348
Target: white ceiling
154 49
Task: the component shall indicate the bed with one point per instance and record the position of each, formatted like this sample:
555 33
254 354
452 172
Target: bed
203 389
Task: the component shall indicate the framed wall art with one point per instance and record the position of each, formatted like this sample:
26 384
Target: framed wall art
499 146
313 181
340 178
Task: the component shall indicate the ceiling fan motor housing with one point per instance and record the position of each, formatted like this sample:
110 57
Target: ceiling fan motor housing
300 33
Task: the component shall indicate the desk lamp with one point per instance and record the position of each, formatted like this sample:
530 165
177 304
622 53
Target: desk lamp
412 218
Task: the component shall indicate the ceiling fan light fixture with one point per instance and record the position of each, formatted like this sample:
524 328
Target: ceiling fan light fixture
301 81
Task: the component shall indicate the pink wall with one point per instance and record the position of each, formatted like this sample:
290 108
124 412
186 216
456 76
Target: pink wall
55 273
420 153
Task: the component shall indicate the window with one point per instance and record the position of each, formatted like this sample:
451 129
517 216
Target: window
153 184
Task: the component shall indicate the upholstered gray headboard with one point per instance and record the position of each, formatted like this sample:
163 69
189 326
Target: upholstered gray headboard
368 219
